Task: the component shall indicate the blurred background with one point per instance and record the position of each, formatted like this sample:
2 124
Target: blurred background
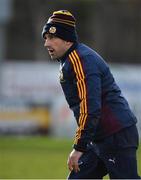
33 111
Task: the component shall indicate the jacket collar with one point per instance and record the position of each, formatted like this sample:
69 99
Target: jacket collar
63 58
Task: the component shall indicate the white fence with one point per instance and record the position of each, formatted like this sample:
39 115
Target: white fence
39 83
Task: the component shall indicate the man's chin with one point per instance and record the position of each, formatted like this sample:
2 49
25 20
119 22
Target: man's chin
52 57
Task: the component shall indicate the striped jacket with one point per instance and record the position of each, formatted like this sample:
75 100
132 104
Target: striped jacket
92 94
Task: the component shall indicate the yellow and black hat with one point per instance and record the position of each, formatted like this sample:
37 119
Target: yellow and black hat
61 24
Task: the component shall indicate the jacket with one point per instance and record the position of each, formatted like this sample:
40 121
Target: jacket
93 95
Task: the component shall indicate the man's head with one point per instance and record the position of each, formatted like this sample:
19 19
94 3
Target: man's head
59 33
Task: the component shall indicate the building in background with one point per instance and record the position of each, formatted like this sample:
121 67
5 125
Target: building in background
111 27
6 13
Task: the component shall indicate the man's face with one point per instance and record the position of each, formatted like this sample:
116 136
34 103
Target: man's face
55 46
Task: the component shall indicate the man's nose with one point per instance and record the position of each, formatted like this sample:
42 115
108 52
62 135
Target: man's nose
46 43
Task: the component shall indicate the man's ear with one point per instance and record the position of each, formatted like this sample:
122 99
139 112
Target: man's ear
68 43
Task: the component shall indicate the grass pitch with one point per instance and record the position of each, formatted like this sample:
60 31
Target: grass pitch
36 158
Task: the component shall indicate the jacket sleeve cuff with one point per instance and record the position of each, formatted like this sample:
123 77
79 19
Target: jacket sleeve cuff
80 147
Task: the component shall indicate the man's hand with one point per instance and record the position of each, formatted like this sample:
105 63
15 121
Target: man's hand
73 160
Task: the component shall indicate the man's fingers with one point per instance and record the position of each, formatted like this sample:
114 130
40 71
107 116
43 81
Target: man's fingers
73 165
70 165
70 168
76 167
73 160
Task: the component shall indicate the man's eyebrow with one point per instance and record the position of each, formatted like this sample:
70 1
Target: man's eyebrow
50 36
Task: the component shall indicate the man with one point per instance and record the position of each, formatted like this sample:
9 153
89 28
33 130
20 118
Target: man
106 139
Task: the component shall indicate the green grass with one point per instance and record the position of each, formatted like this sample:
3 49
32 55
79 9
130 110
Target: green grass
36 157
33 157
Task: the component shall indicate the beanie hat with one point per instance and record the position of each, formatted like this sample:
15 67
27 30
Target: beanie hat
62 25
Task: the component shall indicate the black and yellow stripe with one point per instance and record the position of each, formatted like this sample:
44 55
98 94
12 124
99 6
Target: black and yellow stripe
64 17
59 20
82 92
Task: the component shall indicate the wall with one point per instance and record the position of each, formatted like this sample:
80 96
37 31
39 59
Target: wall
26 86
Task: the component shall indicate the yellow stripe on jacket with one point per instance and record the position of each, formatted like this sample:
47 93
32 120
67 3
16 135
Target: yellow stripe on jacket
80 76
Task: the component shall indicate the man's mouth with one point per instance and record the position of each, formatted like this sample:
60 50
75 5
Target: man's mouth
50 51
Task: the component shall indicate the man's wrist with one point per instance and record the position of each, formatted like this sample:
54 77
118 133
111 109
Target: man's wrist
79 147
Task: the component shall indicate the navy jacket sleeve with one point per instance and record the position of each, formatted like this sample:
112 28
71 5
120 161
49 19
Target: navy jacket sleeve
88 77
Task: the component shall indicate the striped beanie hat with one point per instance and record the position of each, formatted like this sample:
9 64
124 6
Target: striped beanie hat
62 25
